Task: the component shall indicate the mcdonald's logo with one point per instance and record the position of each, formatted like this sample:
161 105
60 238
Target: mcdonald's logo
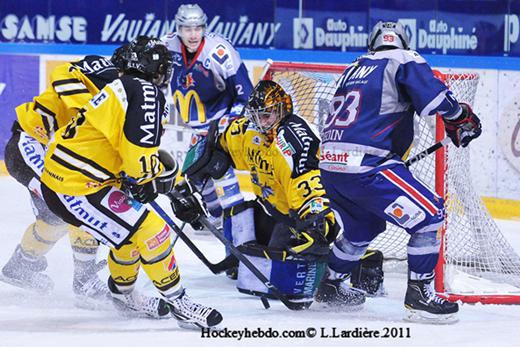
189 106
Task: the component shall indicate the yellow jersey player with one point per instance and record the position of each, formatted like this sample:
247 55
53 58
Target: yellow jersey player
105 164
281 151
72 85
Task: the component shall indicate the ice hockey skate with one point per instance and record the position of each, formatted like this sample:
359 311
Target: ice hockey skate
90 292
192 315
25 271
337 293
135 304
423 305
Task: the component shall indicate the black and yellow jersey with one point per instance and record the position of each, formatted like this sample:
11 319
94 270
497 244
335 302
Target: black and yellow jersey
285 170
73 84
118 131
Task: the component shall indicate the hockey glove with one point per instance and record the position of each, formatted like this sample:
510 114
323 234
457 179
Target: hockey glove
465 128
311 233
162 184
187 205
144 193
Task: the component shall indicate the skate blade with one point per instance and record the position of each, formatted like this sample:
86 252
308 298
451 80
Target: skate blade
126 312
91 304
26 286
422 317
196 326
322 306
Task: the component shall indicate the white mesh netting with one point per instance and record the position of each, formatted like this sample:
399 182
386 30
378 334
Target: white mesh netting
475 252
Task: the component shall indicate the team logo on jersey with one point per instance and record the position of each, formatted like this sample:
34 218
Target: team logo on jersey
256 140
405 212
187 81
285 147
220 54
157 240
118 202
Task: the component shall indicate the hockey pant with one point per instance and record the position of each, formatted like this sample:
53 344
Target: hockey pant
137 236
364 203
24 161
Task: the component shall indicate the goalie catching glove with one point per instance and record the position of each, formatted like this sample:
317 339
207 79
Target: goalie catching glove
464 128
206 158
315 229
187 204
162 184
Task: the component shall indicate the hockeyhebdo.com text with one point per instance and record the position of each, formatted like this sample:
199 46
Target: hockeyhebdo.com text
310 332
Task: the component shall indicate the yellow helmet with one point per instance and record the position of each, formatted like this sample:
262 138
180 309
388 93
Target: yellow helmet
268 105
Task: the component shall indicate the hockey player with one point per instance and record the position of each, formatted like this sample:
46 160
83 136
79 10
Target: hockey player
365 140
280 150
209 82
72 85
109 148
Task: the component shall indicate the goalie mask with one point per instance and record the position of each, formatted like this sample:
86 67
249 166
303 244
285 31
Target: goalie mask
388 35
268 105
150 57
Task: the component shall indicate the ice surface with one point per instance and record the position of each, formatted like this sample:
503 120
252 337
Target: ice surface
27 319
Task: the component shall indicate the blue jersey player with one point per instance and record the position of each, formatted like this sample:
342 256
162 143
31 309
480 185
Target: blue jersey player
210 82
365 137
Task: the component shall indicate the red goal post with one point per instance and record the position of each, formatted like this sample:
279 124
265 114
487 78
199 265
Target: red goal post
476 263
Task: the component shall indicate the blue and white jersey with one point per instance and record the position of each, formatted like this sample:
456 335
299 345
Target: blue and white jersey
214 84
371 117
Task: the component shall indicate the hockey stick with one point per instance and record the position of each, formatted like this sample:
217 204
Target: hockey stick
423 154
215 268
251 267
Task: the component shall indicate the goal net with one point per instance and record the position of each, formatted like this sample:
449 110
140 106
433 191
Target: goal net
476 263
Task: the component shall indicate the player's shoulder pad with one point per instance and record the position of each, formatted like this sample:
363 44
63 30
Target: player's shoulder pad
298 142
98 69
402 56
238 126
144 113
222 53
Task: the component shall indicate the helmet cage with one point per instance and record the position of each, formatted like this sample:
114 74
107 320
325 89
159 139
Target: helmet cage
268 99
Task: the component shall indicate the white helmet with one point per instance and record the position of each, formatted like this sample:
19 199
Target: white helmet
388 35
190 15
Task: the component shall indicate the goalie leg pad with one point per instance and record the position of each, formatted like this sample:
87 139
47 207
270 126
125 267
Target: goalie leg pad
228 190
294 276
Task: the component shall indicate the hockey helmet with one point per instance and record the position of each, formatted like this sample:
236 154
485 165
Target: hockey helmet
150 57
388 35
121 56
190 15
268 104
